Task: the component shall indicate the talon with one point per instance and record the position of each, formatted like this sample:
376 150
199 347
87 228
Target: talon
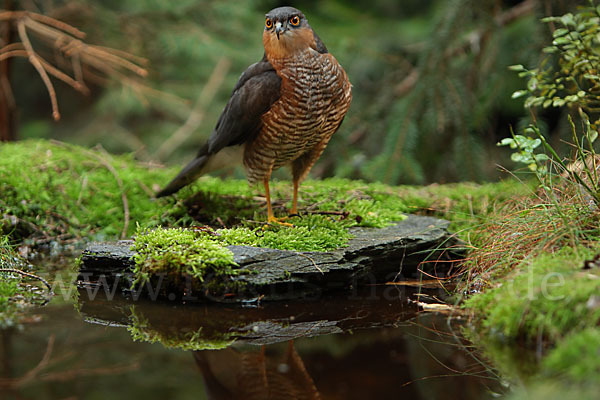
279 221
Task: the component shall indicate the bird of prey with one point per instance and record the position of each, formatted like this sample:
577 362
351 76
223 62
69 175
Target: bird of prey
283 109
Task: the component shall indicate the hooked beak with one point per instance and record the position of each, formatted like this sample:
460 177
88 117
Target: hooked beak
279 29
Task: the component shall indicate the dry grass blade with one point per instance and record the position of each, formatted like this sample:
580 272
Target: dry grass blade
552 219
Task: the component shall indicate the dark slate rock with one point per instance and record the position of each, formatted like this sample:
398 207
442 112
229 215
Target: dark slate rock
372 256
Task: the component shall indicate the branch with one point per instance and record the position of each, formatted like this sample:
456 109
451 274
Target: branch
35 61
16 15
66 40
28 275
473 41
197 114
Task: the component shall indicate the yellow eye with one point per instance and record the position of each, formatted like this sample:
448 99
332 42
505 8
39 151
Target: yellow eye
268 23
295 20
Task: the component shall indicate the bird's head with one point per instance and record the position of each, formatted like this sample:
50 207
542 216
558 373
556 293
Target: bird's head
286 32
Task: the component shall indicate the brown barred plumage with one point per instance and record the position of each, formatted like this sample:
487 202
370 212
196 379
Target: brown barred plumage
283 110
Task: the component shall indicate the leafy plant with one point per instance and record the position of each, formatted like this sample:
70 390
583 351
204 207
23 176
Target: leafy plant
526 147
568 76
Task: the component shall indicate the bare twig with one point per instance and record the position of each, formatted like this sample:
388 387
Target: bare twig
34 60
473 41
32 373
72 53
197 114
312 261
76 373
49 68
28 275
15 15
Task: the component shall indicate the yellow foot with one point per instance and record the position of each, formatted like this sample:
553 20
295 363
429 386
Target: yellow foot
279 221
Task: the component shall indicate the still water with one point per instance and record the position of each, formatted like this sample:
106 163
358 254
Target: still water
371 344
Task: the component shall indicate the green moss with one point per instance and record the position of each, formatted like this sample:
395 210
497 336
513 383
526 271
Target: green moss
142 331
55 190
359 203
552 390
545 297
15 297
577 357
465 204
176 252
309 233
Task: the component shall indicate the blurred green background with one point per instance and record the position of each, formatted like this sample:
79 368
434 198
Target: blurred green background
432 89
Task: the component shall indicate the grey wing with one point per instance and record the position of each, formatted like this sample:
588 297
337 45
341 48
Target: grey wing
241 120
257 89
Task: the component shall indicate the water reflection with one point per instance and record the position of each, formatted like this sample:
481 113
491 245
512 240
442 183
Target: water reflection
373 344
415 361
233 374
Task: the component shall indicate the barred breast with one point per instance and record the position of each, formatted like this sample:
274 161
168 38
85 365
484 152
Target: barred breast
315 96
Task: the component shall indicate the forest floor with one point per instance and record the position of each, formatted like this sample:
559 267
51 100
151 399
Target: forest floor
531 277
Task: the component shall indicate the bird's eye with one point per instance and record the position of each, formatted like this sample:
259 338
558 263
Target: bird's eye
269 23
295 20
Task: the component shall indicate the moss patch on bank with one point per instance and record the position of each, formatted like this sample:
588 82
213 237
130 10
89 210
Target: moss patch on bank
177 252
54 191
548 296
15 295
57 191
535 269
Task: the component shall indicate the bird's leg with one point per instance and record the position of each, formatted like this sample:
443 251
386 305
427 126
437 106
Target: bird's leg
294 210
270 216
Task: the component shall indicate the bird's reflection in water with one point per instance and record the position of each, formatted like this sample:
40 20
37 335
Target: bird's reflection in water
232 374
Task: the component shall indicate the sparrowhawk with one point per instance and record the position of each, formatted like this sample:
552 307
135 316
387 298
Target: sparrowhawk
283 109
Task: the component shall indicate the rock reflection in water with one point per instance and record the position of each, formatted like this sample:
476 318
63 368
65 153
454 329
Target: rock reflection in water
420 360
373 344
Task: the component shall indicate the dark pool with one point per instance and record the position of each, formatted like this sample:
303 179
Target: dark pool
370 344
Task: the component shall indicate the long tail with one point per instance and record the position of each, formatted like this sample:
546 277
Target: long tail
187 175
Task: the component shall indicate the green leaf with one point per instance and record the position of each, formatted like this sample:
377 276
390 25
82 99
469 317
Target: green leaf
558 102
561 40
519 93
568 20
517 157
550 19
560 32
